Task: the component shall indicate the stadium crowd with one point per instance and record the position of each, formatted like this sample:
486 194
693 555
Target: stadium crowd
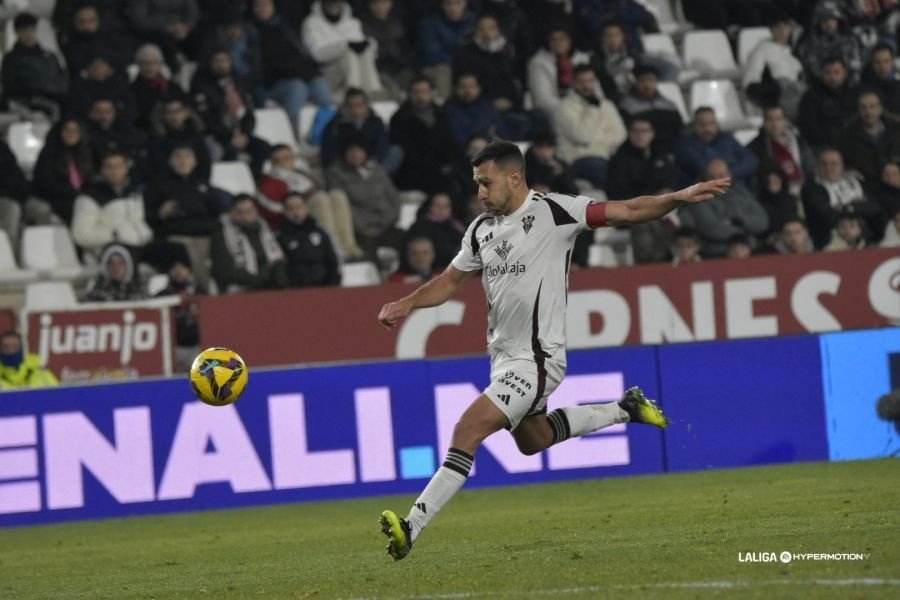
148 95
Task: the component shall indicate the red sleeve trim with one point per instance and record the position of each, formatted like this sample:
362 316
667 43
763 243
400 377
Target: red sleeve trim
596 215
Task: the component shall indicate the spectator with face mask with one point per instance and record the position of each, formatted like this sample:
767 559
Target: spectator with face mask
20 369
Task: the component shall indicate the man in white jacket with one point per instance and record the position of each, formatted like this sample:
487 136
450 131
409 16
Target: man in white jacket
336 40
110 210
589 128
784 83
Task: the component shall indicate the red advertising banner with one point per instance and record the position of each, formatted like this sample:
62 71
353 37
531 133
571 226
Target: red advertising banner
756 297
93 342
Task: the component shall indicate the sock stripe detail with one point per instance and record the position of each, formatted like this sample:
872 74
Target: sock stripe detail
559 423
459 461
461 454
461 470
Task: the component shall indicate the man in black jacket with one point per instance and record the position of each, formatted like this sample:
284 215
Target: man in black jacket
827 106
871 138
881 75
311 259
31 74
289 73
175 123
638 167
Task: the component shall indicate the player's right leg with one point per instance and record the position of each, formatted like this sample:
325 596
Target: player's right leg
480 420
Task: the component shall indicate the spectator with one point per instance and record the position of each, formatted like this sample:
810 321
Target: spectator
871 138
224 104
630 16
331 209
847 234
516 29
100 80
181 208
831 193
651 242
356 120
439 35
418 262
64 165
118 280
242 42
245 253
589 127
613 62
31 74
882 76
383 24
739 246
374 200
175 123
774 194
639 167
737 211
779 143
891 237
109 131
829 37
14 191
551 71
887 192
87 34
685 247
337 42
827 106
311 260
111 210
706 142
644 100
182 283
20 369
772 75
290 75
422 130
794 238
544 167
470 113
490 57
151 86
436 223
166 23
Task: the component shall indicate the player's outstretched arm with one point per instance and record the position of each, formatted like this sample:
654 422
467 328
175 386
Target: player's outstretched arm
435 292
648 208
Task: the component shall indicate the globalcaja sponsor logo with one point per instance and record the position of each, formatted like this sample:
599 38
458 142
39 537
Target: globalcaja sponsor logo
505 269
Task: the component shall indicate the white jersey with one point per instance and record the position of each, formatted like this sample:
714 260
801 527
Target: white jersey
524 259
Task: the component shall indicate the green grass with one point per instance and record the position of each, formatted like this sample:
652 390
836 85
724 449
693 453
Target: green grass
673 536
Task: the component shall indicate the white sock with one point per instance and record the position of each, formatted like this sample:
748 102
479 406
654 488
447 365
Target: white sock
576 421
443 485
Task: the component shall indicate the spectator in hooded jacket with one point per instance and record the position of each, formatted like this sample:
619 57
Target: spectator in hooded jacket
336 40
290 75
551 71
882 75
226 107
829 37
439 34
118 280
589 128
64 165
373 198
871 138
31 74
356 120
311 260
110 210
779 143
827 105
20 369
707 141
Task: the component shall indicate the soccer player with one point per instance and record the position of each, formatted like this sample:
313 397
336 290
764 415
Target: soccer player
521 246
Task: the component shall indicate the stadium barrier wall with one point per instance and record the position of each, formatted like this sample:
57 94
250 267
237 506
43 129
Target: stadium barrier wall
382 428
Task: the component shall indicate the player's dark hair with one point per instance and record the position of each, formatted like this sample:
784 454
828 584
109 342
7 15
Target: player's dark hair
24 21
505 155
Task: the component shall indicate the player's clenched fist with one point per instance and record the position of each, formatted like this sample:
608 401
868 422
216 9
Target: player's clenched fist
393 312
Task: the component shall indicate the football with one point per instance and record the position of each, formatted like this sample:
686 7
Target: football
218 376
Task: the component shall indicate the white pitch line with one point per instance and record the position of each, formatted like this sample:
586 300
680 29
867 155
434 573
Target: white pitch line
592 589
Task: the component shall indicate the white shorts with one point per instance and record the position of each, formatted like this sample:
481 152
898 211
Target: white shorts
521 385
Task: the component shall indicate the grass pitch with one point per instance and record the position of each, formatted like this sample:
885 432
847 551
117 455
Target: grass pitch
672 536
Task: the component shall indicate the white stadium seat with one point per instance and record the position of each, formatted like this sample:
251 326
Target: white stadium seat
48 249
668 19
722 97
186 74
306 119
709 52
26 139
9 270
660 44
407 215
274 126
385 109
672 91
748 39
601 255
359 274
233 176
746 135
49 295
157 283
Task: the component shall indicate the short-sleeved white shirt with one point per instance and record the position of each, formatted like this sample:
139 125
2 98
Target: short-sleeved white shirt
524 258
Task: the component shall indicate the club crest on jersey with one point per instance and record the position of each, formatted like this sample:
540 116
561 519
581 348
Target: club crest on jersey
504 249
526 222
